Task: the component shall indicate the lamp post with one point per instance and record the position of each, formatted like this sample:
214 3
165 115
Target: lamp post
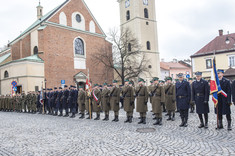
227 40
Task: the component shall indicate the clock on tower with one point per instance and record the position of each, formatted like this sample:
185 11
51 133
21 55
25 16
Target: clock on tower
127 3
145 2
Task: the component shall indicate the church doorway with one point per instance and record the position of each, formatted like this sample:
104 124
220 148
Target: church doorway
80 79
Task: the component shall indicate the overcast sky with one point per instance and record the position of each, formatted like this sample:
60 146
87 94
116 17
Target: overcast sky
184 26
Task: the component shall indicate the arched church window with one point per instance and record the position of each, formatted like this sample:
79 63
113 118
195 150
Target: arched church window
146 13
6 75
79 46
35 50
127 15
148 45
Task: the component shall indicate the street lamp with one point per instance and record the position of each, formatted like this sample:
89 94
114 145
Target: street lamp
227 41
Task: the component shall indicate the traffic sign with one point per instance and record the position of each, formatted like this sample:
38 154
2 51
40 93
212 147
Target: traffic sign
62 81
14 89
14 83
188 76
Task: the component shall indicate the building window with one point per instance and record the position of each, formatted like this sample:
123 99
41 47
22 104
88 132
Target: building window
36 88
208 64
148 45
35 50
78 18
79 47
129 47
231 61
146 13
6 75
63 18
127 15
147 23
150 66
92 27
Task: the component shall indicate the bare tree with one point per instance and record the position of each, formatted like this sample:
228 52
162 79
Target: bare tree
126 58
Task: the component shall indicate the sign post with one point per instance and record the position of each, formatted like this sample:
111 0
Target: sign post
62 83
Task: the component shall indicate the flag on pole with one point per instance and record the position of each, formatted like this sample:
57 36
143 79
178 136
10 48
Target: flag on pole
94 96
215 87
41 97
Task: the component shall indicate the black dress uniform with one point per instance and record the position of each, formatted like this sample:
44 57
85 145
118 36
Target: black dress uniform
224 102
200 96
58 102
233 91
64 99
183 97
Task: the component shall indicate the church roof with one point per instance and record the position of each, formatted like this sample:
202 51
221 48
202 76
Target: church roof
4 57
217 45
40 20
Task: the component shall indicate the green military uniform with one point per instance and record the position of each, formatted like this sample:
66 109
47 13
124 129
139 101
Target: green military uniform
158 93
151 97
170 100
23 102
128 100
114 101
142 101
34 103
81 102
105 102
96 97
88 104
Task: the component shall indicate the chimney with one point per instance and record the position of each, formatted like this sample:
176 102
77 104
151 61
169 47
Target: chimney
221 32
162 60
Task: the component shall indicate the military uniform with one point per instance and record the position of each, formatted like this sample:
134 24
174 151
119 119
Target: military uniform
233 91
114 101
58 101
170 100
96 97
142 101
224 102
200 96
81 102
128 99
183 97
158 93
64 99
105 101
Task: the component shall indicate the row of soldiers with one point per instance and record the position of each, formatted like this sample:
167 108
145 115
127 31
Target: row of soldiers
169 96
19 102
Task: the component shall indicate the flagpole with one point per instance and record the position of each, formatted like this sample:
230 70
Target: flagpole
89 94
217 110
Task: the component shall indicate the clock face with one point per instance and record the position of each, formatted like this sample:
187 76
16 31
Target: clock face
127 3
145 2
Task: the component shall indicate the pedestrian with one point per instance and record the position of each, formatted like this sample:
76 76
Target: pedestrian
170 99
96 97
141 93
81 101
200 96
183 97
105 101
224 102
115 100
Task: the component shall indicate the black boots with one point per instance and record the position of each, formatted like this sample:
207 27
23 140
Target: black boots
173 117
220 125
97 117
73 115
169 118
115 119
157 121
89 117
66 115
82 116
130 119
202 123
61 114
106 118
142 120
182 122
127 119
206 121
229 125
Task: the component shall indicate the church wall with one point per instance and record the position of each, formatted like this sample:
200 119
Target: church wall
59 56
69 9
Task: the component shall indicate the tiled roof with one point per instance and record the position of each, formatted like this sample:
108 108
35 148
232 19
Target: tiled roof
172 65
217 45
4 57
39 21
230 72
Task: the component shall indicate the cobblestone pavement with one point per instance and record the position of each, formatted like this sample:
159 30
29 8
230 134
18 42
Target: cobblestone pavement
28 135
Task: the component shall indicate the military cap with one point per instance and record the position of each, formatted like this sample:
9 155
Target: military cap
95 85
190 78
80 87
151 81
198 73
130 82
65 86
55 87
169 78
176 80
220 71
105 84
140 79
180 75
100 86
126 80
114 81
60 87
155 79
110 85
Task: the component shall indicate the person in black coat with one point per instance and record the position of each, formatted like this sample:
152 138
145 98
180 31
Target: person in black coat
183 97
233 91
200 96
58 103
224 103
64 99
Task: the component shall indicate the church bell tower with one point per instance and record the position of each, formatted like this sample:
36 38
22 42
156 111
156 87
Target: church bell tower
140 17
39 10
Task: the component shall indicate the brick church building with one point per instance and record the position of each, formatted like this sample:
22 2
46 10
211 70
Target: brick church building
58 46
